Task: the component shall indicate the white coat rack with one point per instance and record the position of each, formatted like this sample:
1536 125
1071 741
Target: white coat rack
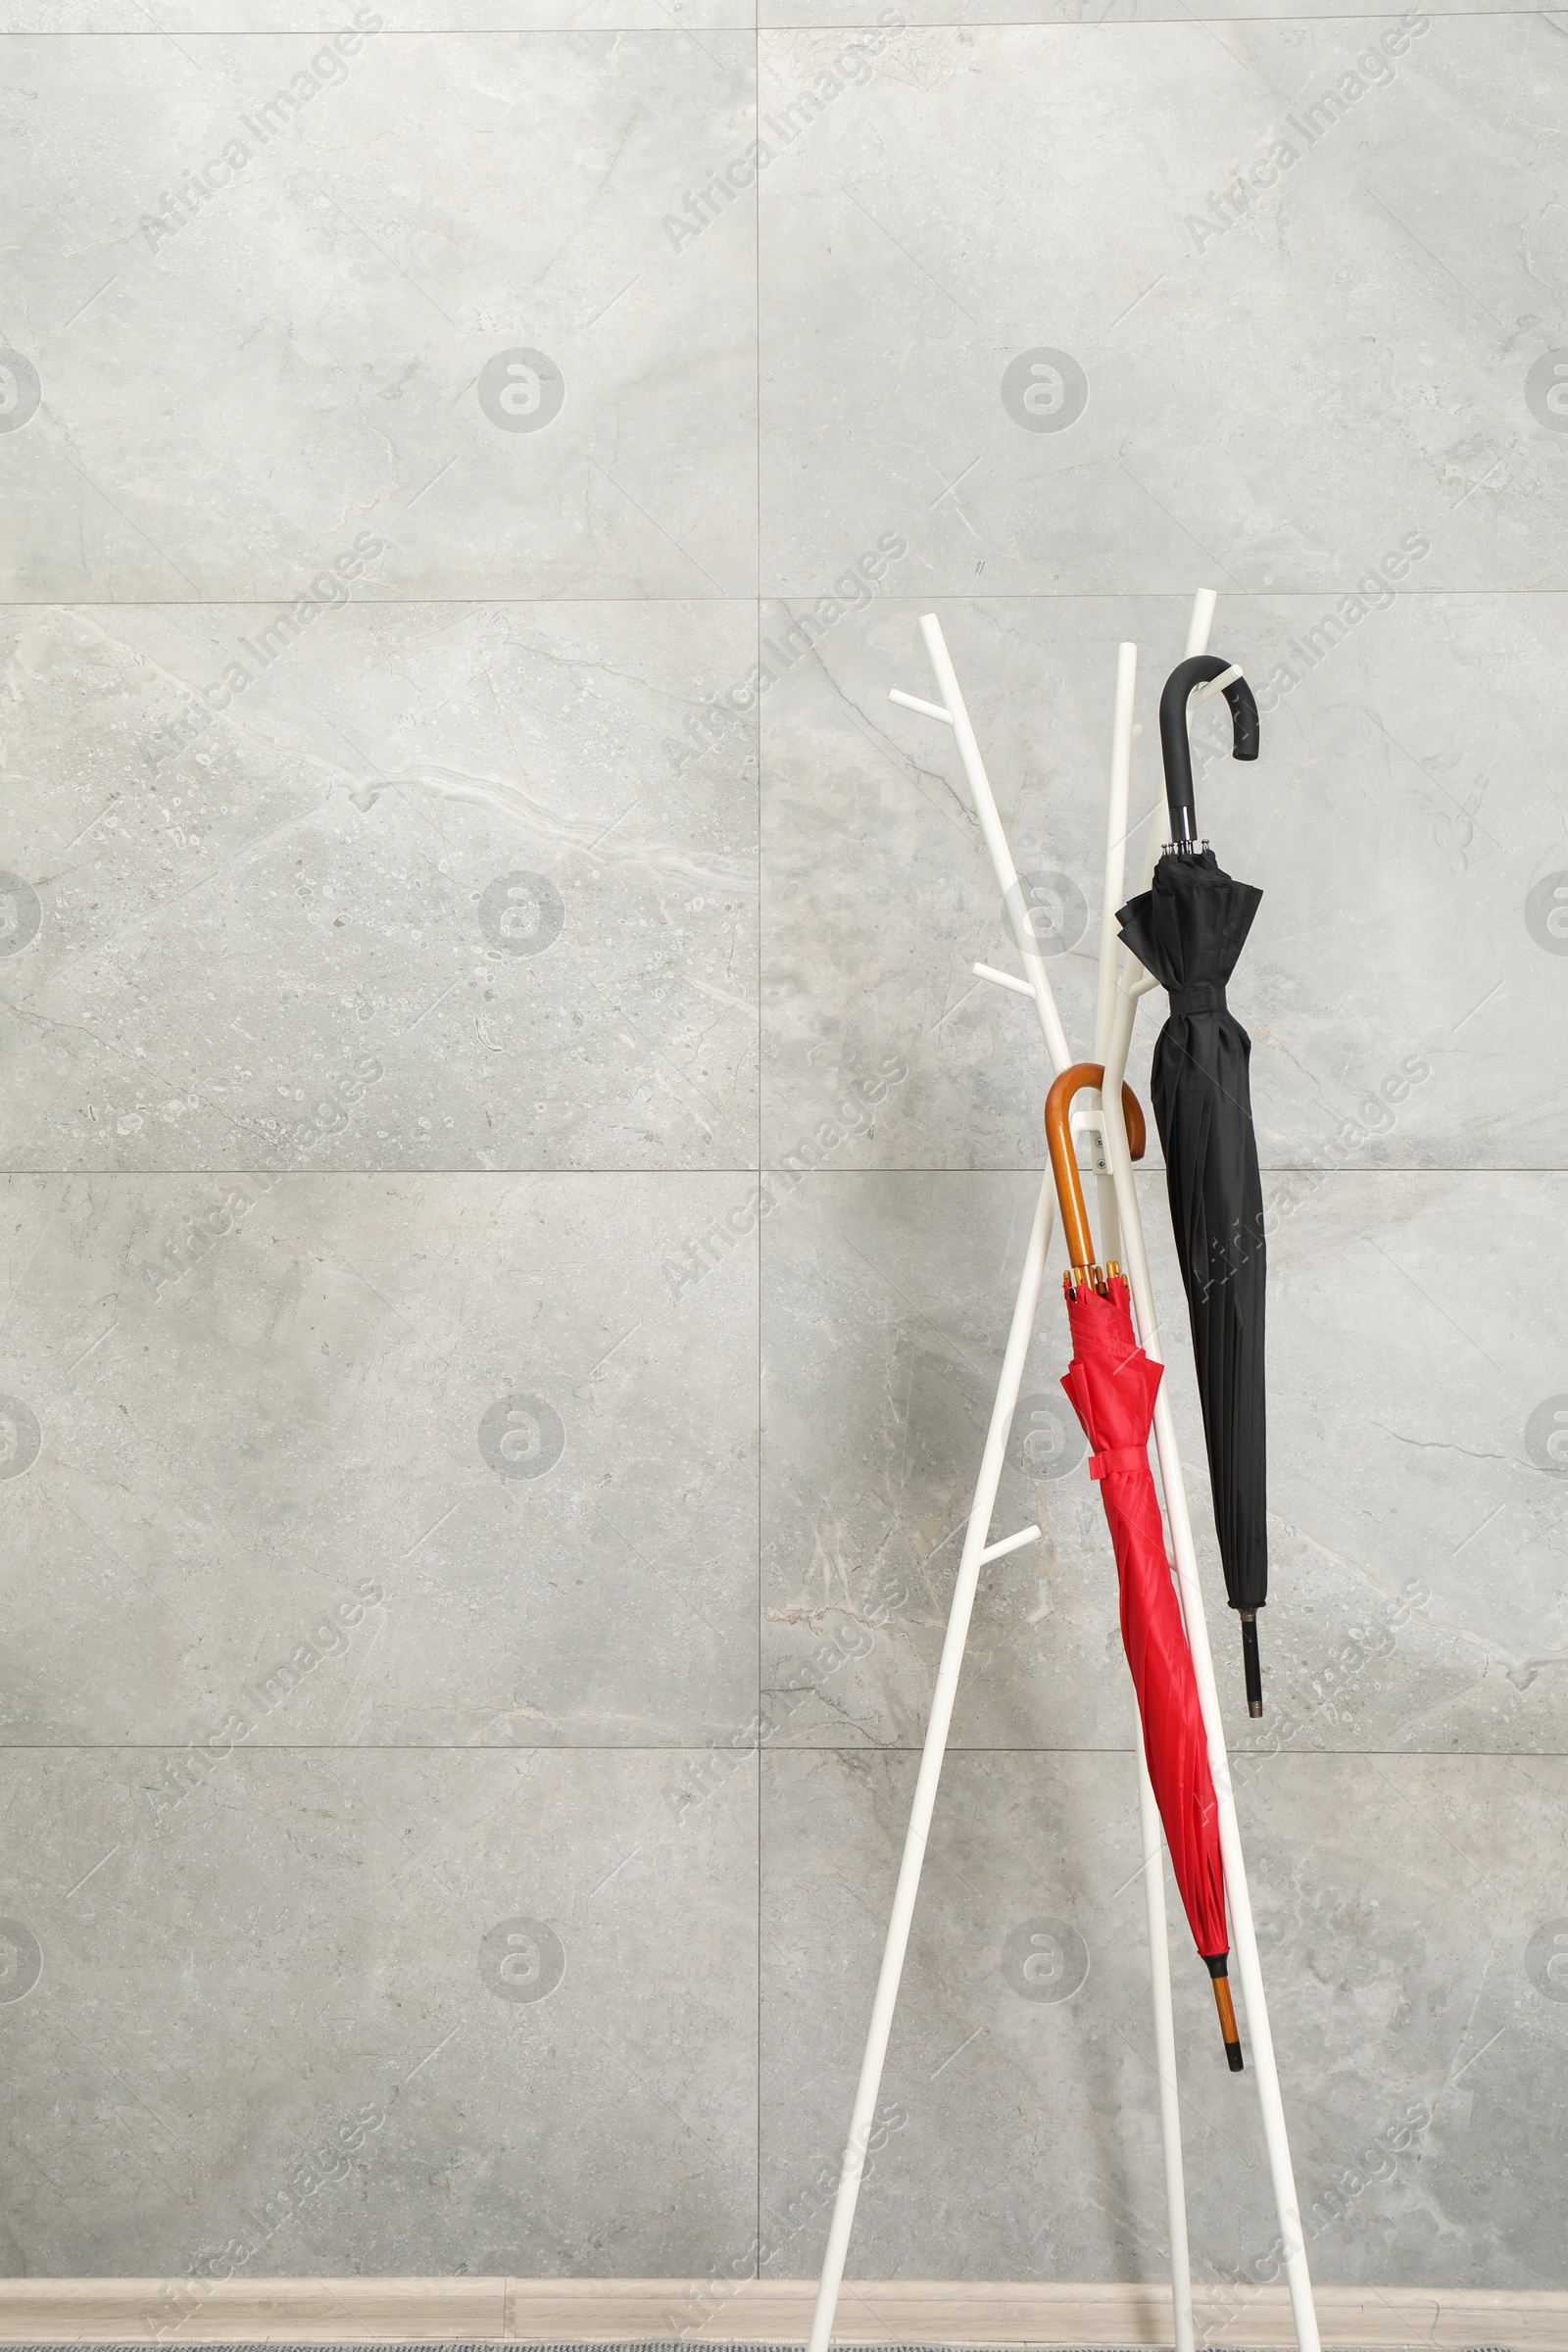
1121 981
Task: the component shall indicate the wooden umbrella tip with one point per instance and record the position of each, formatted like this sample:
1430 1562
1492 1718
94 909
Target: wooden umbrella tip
1227 2015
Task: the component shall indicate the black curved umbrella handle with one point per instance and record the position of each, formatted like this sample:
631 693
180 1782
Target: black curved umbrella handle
1175 749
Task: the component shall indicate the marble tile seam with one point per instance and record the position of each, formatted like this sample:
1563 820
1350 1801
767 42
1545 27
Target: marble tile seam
805 593
375 604
768 1168
1239 1756
429 33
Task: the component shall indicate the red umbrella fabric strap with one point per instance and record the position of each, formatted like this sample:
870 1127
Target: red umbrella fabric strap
1117 1458
1113 1385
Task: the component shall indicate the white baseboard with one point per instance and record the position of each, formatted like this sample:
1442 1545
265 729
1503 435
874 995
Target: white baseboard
524 2311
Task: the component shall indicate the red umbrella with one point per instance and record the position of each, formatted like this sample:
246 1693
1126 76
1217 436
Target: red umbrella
1112 1385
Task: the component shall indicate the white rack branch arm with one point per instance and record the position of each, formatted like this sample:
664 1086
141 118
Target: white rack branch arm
913 702
988 972
999 1552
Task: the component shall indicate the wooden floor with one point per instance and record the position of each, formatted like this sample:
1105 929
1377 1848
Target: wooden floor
524 2311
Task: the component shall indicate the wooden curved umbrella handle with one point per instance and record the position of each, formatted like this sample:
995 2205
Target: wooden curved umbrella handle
1064 1161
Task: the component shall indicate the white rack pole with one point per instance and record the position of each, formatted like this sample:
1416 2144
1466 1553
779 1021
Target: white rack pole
1115 1038
1117 1002
1121 774
1135 982
1200 621
1007 874
1122 733
952 713
863 2114
1151 1833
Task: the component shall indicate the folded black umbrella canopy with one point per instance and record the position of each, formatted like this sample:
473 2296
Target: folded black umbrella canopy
1188 930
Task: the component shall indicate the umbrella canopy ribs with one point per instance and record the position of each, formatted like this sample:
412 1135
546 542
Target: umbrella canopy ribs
1188 930
1112 1385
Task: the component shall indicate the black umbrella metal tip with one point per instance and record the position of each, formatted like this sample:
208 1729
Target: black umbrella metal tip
1251 1664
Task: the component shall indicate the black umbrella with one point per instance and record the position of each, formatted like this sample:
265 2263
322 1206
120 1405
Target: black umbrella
1188 930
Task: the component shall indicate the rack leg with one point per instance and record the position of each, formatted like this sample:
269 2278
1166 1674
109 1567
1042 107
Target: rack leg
1170 2112
863 2114
1154 1844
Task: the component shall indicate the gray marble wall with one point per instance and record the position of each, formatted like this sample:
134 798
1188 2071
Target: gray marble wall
475 1544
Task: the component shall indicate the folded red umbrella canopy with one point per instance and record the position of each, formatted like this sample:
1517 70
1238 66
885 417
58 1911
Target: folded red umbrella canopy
1113 1385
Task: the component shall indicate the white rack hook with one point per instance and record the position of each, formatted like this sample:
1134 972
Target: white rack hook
913 702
